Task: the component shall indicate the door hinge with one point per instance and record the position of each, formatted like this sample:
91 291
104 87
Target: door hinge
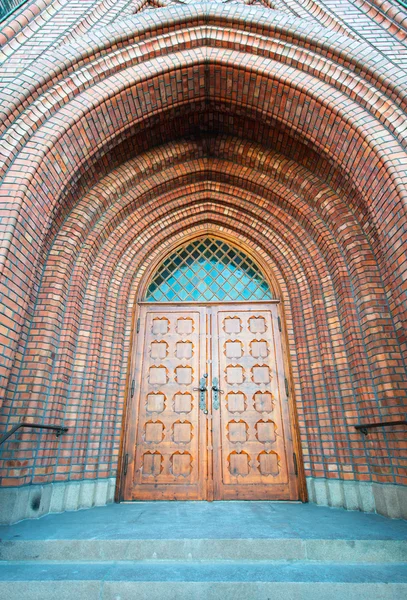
126 464
279 323
287 389
138 326
295 464
132 389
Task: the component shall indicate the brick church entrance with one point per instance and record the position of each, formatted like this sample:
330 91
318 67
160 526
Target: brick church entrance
209 415
232 176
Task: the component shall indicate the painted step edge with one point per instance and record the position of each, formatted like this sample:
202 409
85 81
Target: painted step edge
345 551
126 590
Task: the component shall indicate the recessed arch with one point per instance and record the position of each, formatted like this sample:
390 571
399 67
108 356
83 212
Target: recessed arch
104 211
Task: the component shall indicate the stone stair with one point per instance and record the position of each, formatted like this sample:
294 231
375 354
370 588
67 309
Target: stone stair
222 550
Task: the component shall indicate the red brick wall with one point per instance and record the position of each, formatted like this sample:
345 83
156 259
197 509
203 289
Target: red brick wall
274 129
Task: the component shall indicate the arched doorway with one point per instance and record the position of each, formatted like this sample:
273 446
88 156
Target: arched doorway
208 410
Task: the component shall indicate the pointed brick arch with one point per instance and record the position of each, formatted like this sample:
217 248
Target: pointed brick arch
287 138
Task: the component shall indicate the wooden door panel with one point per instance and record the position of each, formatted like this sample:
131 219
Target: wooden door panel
252 441
167 450
241 450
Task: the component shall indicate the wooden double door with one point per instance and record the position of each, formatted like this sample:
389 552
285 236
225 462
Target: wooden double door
208 417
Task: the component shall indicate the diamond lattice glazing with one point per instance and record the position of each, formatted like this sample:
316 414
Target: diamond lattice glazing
208 270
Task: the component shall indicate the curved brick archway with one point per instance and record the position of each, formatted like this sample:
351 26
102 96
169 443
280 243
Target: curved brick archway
287 138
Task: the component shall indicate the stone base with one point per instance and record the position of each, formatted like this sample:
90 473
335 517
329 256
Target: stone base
33 501
386 499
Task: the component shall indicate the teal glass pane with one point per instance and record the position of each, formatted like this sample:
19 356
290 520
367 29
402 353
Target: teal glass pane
208 269
196 295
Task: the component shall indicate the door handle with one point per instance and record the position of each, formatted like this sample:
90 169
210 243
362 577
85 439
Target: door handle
202 389
216 392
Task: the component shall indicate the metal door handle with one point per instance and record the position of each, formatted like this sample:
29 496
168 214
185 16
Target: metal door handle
216 392
202 389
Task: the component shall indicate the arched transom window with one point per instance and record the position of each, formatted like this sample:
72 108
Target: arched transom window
208 270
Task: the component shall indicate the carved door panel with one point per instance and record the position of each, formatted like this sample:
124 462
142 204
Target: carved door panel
253 453
237 444
167 439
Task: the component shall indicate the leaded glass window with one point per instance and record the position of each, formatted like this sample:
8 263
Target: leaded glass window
208 270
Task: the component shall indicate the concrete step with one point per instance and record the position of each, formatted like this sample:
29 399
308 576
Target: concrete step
98 550
202 580
127 580
205 551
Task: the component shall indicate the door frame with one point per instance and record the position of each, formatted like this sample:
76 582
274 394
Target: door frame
130 394
141 291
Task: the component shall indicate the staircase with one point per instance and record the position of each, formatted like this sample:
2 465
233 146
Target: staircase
198 550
